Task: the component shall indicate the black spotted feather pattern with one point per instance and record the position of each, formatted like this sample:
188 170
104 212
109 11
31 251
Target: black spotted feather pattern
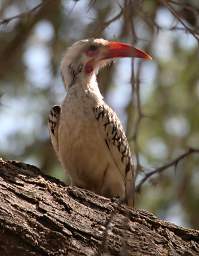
118 146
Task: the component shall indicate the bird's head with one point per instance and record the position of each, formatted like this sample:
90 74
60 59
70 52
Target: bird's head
85 57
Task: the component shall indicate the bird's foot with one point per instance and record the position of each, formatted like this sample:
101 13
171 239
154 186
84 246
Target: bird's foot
118 200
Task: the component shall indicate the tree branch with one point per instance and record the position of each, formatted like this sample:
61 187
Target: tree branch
107 23
166 166
135 83
10 53
41 216
21 15
169 7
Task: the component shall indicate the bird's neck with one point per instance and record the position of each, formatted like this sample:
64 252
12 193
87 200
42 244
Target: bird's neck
86 86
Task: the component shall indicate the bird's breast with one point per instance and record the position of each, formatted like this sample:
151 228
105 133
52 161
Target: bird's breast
81 148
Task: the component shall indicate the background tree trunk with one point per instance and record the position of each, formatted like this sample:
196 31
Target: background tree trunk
39 215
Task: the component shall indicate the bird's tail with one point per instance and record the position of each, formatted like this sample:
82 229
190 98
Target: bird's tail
130 188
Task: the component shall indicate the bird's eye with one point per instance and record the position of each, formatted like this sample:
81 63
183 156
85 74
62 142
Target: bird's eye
93 47
92 50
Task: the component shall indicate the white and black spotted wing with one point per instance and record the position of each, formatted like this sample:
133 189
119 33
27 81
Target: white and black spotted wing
53 123
116 141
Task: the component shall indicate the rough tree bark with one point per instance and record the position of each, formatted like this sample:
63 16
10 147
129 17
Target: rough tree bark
39 215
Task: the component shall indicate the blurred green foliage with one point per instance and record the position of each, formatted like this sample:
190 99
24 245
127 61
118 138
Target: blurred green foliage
31 48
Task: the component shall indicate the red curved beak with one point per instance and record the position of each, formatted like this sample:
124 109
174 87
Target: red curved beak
121 50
